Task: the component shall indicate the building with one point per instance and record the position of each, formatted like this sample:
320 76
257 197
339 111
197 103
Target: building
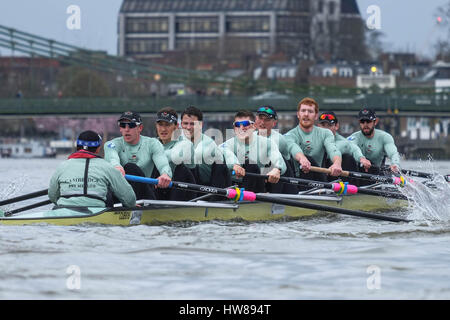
239 30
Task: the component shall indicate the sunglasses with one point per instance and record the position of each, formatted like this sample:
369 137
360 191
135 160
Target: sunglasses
244 123
327 116
131 125
365 120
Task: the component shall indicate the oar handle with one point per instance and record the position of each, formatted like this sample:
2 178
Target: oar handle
152 181
328 171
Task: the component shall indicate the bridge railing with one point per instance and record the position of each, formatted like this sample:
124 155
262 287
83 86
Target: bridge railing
36 106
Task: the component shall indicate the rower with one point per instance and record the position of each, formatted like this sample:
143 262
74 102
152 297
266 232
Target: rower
136 154
210 168
178 150
265 123
375 144
85 179
308 143
352 156
251 152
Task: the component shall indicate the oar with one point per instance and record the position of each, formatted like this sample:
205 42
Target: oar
422 174
239 195
32 206
419 174
336 187
361 175
24 197
340 188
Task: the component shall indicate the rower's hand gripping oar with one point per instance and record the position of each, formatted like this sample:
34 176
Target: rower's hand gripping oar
240 195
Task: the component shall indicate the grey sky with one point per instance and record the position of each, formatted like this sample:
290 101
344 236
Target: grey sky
408 25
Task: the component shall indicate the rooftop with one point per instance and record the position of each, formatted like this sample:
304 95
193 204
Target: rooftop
129 6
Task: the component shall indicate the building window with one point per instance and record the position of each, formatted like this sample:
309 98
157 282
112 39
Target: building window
320 7
147 25
248 24
345 72
248 45
197 24
145 46
331 8
292 24
197 44
291 45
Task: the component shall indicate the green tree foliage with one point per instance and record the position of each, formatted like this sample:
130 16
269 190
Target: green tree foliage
76 82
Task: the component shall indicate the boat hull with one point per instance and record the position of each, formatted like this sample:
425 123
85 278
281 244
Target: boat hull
157 214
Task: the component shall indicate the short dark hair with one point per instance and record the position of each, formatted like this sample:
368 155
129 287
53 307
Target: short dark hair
244 114
193 111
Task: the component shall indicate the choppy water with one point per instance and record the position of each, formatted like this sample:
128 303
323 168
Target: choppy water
325 257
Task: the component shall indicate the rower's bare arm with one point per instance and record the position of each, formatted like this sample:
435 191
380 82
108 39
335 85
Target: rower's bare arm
120 169
304 162
336 167
365 163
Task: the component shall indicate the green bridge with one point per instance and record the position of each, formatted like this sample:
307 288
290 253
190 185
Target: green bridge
421 104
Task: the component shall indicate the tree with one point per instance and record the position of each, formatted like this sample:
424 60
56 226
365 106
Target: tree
374 43
77 82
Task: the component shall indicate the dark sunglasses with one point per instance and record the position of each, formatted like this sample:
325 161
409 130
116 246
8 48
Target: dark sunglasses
131 125
244 123
365 120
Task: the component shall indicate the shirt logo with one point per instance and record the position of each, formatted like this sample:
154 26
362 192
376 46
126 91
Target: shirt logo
111 145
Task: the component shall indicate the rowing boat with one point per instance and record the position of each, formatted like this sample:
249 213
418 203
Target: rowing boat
157 212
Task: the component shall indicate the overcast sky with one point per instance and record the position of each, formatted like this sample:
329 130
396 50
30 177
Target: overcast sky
408 25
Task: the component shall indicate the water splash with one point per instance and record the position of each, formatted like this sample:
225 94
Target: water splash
12 189
428 200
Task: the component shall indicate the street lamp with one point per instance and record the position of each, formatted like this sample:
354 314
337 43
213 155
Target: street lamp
157 78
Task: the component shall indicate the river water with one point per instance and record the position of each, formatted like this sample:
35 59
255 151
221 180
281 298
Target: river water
325 257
